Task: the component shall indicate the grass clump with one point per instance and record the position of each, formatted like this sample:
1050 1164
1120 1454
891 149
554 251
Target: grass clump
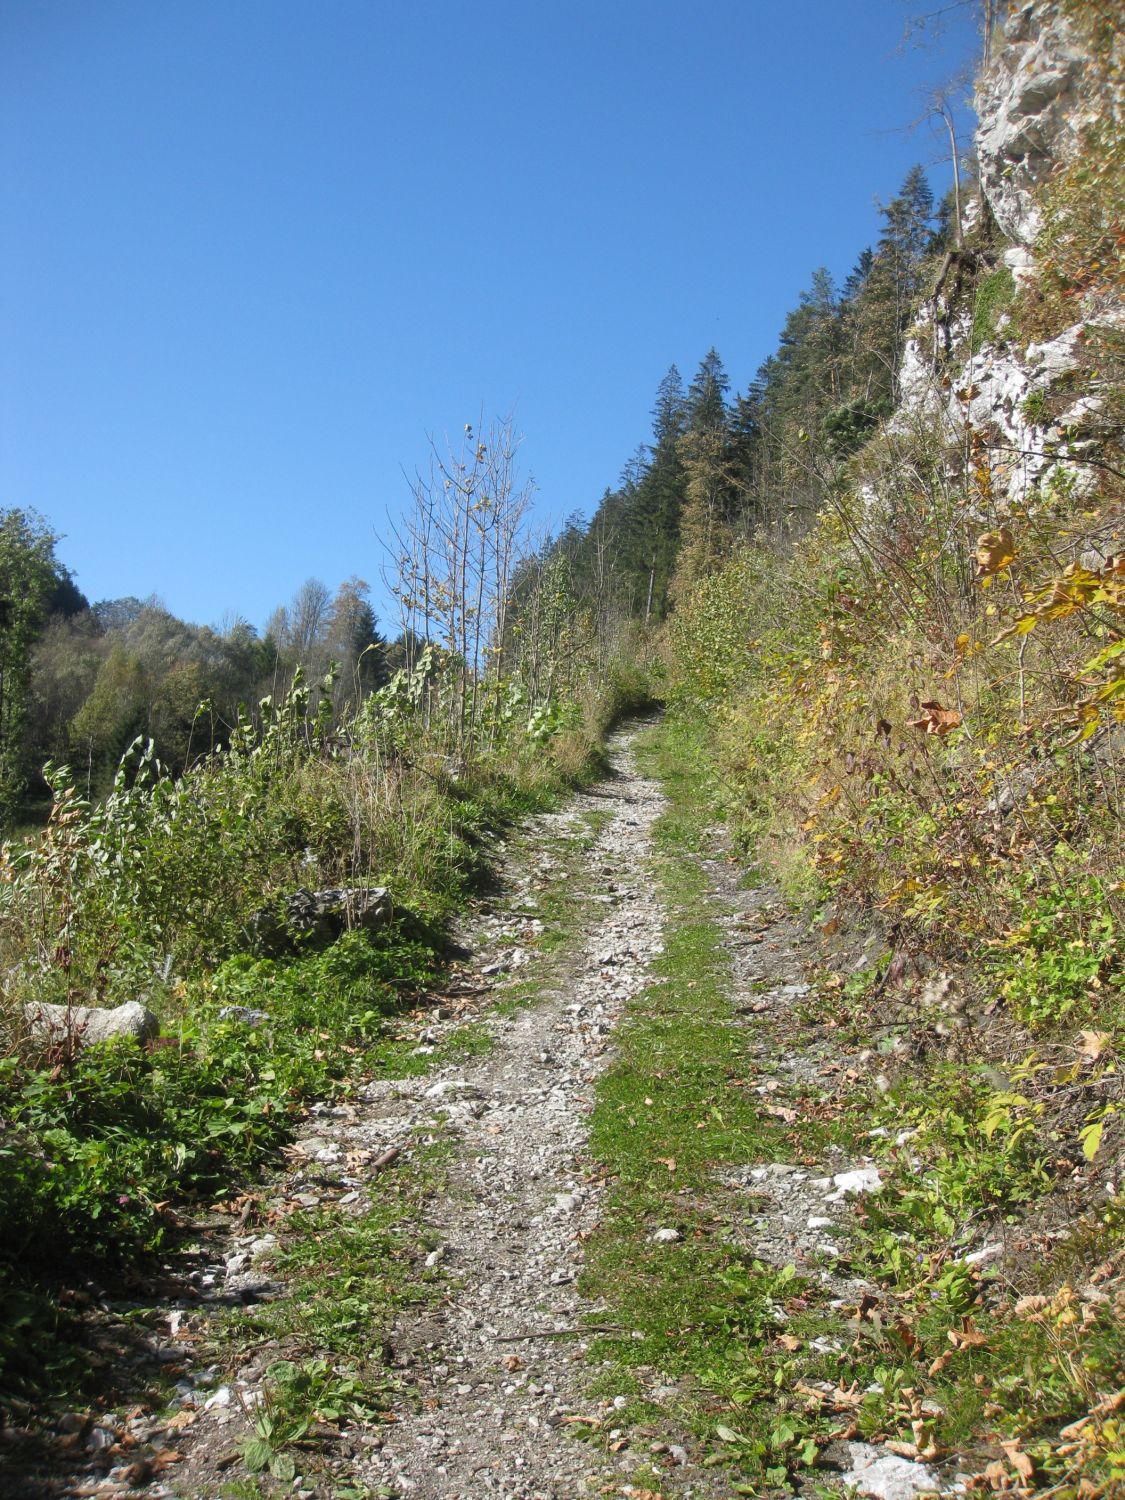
993 298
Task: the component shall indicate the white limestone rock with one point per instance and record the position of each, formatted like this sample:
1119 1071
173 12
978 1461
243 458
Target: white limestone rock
855 1183
885 1476
87 1025
1032 110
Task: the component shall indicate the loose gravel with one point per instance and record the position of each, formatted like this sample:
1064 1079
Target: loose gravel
505 1375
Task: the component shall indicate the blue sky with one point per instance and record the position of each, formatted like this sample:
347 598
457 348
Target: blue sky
253 251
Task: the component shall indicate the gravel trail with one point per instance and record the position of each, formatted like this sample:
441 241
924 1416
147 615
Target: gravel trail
490 1375
495 1400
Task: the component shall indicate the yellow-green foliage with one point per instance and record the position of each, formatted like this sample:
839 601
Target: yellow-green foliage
883 744
708 639
994 296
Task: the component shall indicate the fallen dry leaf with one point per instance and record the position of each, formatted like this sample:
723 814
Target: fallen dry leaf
1094 1044
138 1474
968 1336
907 1335
936 720
912 1450
182 1419
1026 1307
1019 1461
782 1113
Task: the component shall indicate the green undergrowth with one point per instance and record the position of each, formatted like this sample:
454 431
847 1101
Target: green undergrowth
955 1358
101 1155
104 1151
991 1322
349 1281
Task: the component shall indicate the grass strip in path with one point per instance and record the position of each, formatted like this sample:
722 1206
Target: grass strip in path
672 1112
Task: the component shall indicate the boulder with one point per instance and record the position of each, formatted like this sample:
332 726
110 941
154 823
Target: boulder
317 917
87 1025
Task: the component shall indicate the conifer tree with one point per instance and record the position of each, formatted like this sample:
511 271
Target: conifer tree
705 406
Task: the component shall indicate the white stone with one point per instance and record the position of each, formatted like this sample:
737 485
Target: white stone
450 1086
986 1252
87 1025
1020 262
861 1180
1031 109
885 1476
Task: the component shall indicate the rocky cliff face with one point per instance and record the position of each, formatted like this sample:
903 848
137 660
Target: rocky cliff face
1039 419
1033 103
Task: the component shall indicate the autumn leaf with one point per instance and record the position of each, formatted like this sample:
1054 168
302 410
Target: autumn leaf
927 1451
1019 1461
968 1336
181 1419
907 1335
1091 1138
1094 1044
781 1112
936 720
996 550
1023 626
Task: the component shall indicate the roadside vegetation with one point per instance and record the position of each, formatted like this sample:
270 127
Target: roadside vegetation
166 890
1007 1362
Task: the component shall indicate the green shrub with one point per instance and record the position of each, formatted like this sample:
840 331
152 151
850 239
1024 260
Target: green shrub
994 297
1062 958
